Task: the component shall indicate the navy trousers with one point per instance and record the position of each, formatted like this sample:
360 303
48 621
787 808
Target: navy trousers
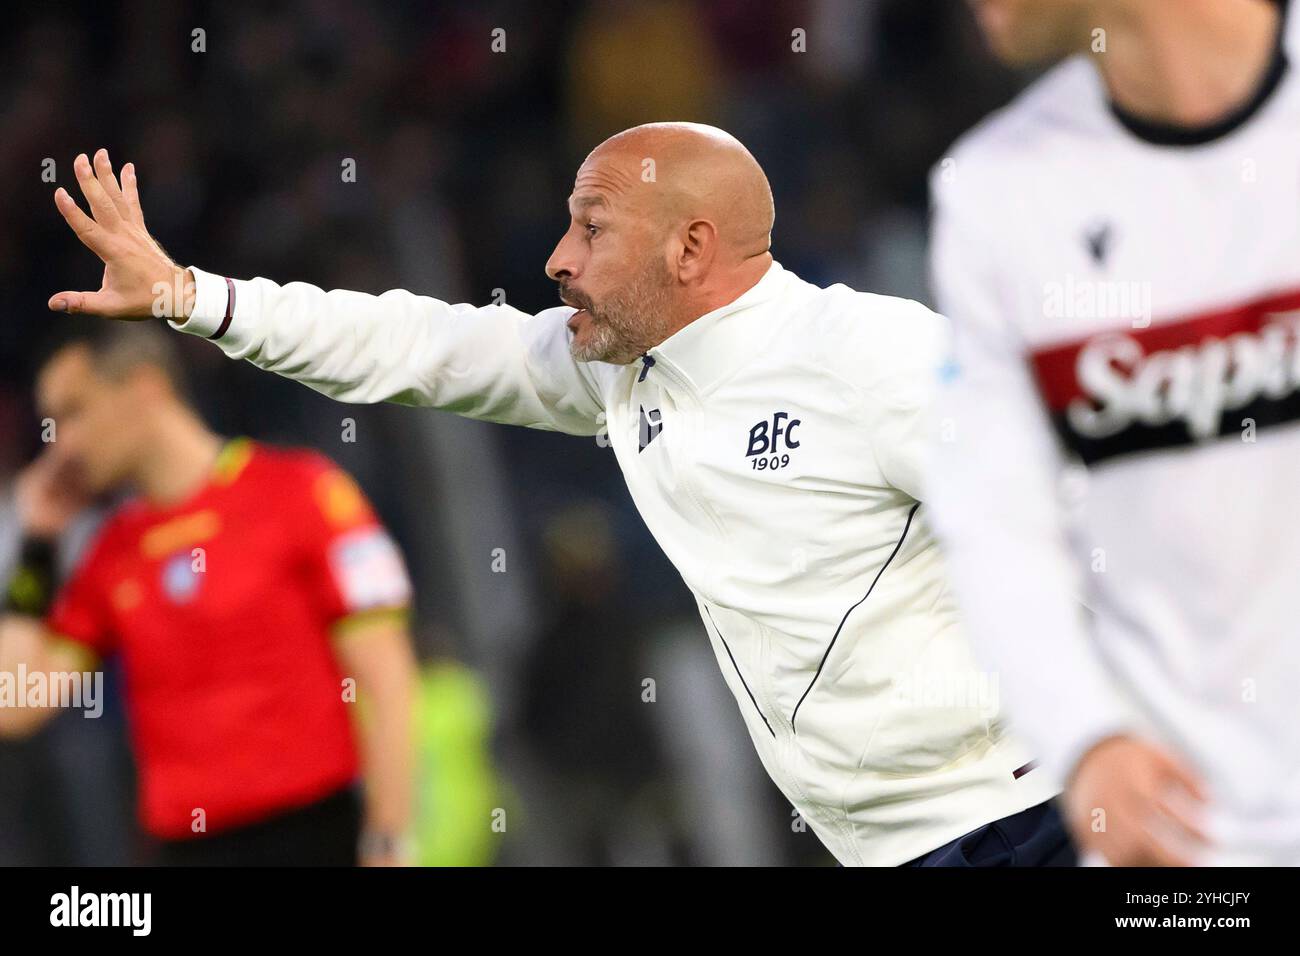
1033 837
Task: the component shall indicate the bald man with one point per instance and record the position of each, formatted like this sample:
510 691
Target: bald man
769 431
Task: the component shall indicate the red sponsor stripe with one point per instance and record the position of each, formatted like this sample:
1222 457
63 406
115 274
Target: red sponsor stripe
1056 367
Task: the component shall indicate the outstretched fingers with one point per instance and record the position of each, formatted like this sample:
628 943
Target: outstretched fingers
101 206
88 231
108 182
131 193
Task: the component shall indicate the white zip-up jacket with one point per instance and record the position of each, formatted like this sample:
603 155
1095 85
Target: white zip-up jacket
772 447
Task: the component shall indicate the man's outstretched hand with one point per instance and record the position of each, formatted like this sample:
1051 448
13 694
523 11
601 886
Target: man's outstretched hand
140 280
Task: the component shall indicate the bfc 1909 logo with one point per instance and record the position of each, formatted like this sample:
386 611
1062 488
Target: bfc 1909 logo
770 442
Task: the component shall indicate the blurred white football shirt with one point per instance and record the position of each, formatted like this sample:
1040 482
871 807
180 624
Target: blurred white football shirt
1117 487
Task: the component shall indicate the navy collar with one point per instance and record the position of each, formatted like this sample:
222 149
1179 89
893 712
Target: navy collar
1172 134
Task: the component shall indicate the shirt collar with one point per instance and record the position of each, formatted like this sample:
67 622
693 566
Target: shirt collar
719 342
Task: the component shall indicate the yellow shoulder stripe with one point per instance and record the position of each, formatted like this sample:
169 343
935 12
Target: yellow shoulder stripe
233 458
361 621
83 658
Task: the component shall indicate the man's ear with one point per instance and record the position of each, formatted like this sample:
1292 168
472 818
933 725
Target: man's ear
699 246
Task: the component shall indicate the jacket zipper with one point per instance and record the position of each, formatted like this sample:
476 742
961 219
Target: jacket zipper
784 740
687 480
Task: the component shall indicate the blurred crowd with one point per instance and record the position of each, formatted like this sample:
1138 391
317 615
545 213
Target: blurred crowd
568 675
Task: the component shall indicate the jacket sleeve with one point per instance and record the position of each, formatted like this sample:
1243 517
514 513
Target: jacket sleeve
898 416
992 490
493 363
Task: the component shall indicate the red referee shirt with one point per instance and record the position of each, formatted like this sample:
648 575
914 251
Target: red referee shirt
222 608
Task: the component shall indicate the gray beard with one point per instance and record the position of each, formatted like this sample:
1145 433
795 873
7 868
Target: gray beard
629 322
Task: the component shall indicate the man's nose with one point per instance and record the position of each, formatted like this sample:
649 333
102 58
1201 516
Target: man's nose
562 264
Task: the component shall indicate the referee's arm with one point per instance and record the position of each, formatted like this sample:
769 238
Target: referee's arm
27 647
374 648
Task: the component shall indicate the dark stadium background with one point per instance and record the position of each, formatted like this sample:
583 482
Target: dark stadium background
464 158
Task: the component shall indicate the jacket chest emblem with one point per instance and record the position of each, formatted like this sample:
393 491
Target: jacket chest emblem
771 441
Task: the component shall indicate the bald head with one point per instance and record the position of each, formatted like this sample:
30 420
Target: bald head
693 171
669 221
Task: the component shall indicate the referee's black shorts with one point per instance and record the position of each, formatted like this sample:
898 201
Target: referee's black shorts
324 833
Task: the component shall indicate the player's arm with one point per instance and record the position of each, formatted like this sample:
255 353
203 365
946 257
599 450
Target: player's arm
493 363
992 490
374 648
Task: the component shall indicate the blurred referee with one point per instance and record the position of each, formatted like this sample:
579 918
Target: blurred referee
251 594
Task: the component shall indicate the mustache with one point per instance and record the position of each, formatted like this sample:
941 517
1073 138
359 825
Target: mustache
576 300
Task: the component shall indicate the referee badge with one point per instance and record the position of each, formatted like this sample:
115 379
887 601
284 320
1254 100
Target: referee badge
180 582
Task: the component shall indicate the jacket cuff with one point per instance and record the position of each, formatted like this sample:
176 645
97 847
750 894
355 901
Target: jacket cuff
215 299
